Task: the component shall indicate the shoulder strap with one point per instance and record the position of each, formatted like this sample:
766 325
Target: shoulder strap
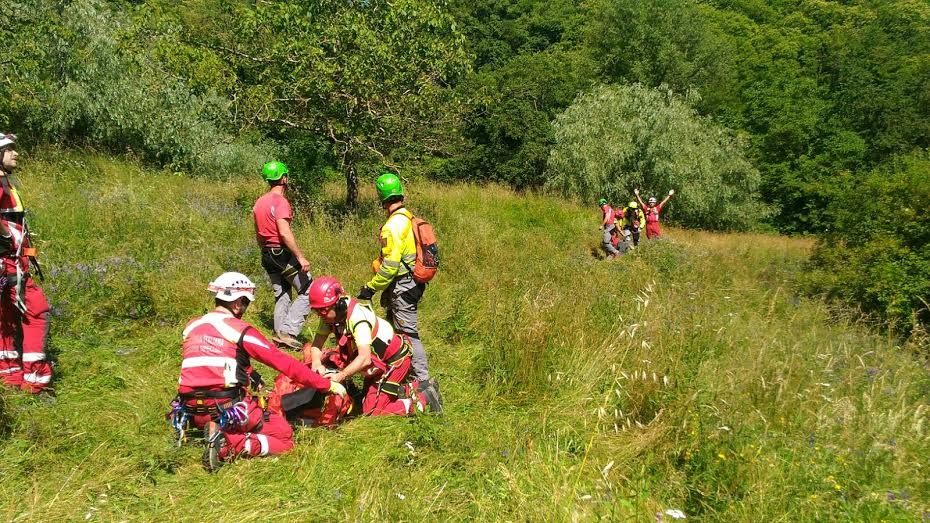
240 343
351 327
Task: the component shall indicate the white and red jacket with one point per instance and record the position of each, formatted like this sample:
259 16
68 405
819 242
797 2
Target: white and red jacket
12 213
217 352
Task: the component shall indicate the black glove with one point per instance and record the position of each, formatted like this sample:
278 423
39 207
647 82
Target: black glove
367 293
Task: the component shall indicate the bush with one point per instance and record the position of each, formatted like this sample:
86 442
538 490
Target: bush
92 84
877 256
617 138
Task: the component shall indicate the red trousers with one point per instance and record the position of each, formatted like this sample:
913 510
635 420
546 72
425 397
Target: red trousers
29 371
653 230
379 398
257 437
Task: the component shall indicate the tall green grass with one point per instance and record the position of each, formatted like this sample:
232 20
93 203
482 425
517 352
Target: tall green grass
688 375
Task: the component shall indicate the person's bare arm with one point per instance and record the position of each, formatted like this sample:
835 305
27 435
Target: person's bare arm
313 354
287 236
670 193
362 360
638 199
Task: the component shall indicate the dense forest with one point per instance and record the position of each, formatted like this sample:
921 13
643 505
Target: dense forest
803 116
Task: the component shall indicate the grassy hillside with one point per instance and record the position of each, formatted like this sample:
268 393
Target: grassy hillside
687 376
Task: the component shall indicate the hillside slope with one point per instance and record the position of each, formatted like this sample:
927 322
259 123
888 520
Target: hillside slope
687 376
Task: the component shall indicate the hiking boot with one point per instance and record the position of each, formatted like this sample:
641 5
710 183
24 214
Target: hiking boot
215 441
286 340
431 393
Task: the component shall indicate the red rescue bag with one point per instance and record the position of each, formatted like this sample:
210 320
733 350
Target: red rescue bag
309 407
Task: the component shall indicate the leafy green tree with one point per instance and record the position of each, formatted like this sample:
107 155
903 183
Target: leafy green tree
616 138
509 127
373 78
876 257
93 82
662 42
529 66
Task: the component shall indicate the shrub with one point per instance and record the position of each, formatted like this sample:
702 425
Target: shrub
91 84
877 256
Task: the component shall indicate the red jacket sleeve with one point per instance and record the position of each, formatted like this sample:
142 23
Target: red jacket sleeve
258 347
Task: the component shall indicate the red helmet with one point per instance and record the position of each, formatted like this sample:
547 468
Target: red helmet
324 292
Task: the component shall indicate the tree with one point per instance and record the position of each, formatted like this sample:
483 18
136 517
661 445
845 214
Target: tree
876 257
614 139
78 72
374 78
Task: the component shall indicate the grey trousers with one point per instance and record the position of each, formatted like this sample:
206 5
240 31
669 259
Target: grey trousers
605 241
289 313
284 273
400 301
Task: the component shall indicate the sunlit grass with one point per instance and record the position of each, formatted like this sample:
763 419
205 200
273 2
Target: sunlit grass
688 375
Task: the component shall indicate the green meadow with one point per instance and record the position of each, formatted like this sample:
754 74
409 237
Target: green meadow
689 375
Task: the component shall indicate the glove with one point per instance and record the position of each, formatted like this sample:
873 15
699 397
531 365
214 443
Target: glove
366 293
336 388
671 192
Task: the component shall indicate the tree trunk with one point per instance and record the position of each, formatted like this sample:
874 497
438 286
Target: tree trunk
351 186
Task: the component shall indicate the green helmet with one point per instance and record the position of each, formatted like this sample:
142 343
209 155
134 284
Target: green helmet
387 185
273 171
602 202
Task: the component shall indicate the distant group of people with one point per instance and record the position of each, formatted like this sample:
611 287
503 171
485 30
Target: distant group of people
621 227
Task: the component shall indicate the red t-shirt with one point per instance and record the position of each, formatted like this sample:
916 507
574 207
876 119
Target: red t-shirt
267 210
9 197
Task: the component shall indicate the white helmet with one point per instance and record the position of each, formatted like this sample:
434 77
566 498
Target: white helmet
652 199
230 286
6 140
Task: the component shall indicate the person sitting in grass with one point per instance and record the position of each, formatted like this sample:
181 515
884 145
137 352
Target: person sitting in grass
372 348
216 371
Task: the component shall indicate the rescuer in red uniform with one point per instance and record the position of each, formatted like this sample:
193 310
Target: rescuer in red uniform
215 373
372 349
23 307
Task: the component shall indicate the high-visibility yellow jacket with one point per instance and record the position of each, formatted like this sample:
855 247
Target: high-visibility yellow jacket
398 250
642 218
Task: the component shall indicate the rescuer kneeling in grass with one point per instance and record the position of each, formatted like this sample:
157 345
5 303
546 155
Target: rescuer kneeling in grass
23 307
372 349
633 220
216 371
